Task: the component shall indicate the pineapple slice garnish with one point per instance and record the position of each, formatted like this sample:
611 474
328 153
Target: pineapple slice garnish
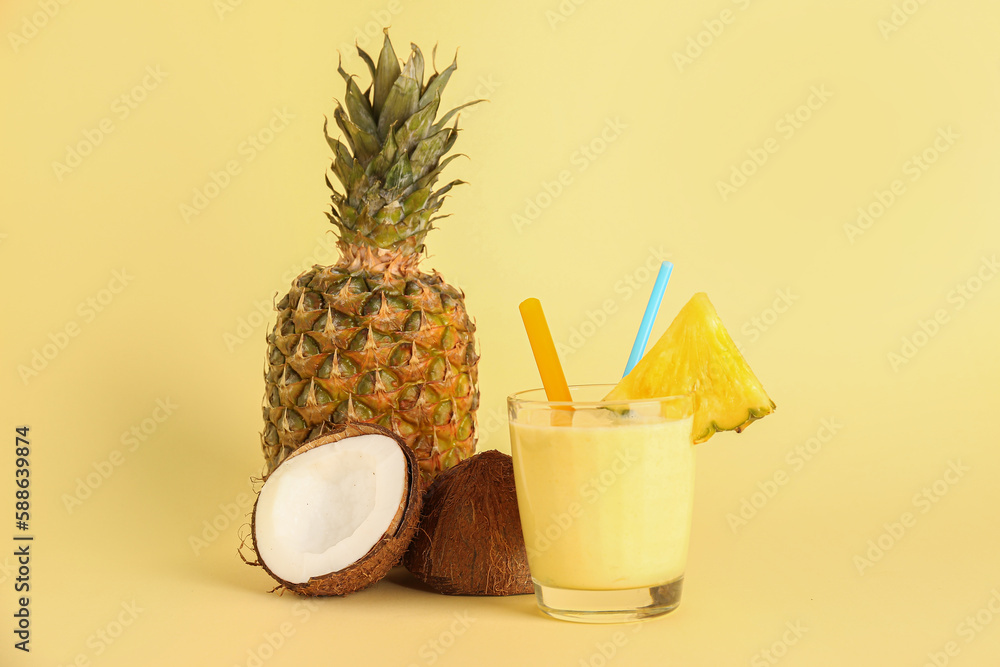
696 356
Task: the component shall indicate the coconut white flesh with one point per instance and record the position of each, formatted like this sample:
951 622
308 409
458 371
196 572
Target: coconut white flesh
321 511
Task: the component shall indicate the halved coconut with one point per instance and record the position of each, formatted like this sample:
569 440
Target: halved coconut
337 515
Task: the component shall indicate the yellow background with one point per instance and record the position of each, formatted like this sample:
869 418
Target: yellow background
185 329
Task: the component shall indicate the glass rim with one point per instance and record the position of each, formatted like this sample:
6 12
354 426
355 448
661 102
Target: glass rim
517 397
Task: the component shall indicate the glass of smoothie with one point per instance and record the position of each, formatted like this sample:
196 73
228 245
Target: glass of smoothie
605 492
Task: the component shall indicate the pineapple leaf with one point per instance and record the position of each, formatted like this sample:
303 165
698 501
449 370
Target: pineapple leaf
452 138
440 193
429 150
385 236
340 172
399 175
390 214
412 224
385 75
356 182
432 78
436 199
339 118
417 126
436 84
368 60
416 201
357 104
378 166
366 145
372 198
428 179
342 168
342 219
400 104
434 53
349 215
414 67
445 118
363 226
339 149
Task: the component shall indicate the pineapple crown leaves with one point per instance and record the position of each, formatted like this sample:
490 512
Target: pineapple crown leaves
392 151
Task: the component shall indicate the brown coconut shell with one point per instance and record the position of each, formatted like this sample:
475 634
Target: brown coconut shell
469 541
387 552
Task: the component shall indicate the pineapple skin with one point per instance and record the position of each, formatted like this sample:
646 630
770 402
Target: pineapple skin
361 344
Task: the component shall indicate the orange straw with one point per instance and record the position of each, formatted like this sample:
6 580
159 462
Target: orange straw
544 350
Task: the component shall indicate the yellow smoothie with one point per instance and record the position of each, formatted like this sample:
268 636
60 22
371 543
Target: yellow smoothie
605 501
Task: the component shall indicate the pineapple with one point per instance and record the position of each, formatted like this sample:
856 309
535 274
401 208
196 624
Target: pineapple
373 338
696 356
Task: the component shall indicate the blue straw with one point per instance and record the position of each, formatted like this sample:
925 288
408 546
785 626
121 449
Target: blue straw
659 287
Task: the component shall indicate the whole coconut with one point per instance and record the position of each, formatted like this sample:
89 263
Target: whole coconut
469 540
